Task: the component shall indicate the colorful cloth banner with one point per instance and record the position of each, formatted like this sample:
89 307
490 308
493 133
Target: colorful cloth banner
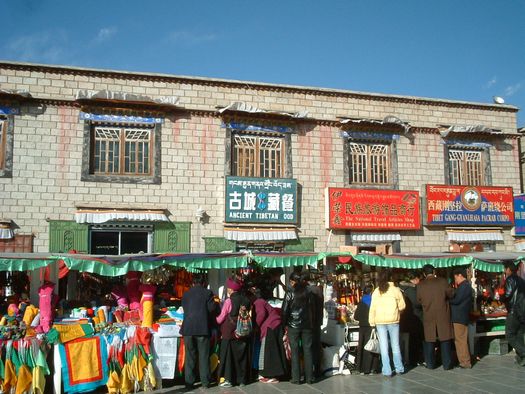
84 364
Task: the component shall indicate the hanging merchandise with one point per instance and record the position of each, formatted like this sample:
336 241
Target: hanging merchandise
47 301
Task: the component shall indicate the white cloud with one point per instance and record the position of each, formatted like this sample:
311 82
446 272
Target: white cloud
513 89
45 47
490 83
105 34
190 38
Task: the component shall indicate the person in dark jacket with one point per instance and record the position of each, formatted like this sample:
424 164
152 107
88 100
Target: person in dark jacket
433 294
412 318
514 328
317 349
298 317
367 362
199 310
460 306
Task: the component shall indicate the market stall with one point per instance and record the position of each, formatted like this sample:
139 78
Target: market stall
119 320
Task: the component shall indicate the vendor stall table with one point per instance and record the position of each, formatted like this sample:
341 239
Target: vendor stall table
481 327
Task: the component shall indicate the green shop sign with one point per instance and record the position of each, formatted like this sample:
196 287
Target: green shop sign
261 200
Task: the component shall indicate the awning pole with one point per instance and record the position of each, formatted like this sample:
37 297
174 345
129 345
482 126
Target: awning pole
474 285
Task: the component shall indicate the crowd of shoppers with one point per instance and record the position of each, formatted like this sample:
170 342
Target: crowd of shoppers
260 342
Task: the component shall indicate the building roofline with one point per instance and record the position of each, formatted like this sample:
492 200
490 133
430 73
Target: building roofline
254 85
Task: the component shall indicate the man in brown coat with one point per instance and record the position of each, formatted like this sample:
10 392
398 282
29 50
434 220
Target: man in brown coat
433 294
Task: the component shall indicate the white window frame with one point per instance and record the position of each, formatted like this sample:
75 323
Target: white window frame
466 167
364 157
260 156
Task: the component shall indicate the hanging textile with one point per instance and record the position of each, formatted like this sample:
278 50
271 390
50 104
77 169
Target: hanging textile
84 364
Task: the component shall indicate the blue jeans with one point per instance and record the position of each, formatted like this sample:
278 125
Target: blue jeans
383 332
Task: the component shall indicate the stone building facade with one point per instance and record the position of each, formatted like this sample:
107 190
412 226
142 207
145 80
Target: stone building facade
49 177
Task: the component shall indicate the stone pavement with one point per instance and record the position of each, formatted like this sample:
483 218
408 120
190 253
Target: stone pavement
493 374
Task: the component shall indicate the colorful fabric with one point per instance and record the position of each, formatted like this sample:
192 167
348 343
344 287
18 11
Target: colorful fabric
70 332
45 292
29 314
84 364
148 291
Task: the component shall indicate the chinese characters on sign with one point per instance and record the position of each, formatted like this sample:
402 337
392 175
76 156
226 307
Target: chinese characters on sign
519 214
361 209
469 205
260 200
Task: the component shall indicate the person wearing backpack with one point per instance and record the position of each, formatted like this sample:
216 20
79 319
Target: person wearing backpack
514 300
236 329
298 317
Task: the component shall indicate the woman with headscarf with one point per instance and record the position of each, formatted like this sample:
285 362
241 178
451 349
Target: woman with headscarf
385 310
298 317
234 356
272 359
367 362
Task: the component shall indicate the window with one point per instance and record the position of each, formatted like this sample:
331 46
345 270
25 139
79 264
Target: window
258 156
122 150
118 242
3 142
370 163
465 167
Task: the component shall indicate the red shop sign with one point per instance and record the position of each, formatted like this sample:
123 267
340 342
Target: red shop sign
362 209
470 205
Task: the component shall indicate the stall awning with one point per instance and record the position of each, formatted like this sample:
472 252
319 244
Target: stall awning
519 246
102 215
259 234
6 231
376 237
474 235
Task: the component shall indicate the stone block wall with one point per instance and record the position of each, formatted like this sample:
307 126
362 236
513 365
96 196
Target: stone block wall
48 148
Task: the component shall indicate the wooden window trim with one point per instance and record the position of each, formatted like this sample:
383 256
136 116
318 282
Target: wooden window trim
122 134
464 177
238 170
155 157
368 156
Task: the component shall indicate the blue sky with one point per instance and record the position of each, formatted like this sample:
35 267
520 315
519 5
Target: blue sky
462 50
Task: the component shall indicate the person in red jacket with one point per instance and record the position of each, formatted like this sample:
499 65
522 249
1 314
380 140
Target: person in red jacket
272 359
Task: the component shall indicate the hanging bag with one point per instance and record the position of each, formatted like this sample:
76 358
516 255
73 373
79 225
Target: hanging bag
244 323
373 343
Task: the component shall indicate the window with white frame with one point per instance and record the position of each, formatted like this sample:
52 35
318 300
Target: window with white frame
121 150
466 167
370 163
258 156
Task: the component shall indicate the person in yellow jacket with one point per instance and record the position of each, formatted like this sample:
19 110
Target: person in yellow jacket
385 310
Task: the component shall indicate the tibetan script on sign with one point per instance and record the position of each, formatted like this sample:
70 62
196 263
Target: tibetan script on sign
469 205
372 210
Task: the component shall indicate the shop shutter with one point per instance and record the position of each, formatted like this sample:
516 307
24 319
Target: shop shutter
218 244
171 237
300 245
67 235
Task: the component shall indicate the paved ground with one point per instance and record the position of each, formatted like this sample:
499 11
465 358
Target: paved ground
493 374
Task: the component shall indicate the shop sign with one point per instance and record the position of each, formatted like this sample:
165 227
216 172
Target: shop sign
469 205
519 215
362 209
261 200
